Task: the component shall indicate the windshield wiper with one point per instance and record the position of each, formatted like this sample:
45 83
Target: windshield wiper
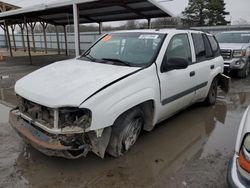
117 60
88 56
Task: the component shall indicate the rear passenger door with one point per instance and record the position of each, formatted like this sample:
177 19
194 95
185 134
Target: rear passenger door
203 64
218 60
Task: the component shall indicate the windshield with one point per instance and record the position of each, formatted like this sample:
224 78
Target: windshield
128 49
233 37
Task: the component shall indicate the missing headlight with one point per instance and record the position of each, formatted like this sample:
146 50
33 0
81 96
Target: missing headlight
69 117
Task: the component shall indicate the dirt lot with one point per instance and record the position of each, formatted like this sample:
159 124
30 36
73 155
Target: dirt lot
191 149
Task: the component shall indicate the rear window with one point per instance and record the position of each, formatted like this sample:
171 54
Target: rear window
199 46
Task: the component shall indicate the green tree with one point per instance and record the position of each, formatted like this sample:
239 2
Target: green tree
166 22
195 13
217 12
131 24
205 12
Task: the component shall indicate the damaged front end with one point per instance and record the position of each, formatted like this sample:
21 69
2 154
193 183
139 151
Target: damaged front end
60 132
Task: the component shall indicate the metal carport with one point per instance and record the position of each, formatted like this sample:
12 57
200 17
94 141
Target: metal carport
67 12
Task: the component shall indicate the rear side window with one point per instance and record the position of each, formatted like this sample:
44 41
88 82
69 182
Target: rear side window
214 45
209 52
199 47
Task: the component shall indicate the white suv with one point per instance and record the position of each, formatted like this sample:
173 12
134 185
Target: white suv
235 49
125 82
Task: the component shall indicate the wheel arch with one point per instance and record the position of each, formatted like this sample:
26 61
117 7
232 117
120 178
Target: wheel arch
215 75
115 144
148 108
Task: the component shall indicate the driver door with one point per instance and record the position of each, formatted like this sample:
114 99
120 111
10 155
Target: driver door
177 86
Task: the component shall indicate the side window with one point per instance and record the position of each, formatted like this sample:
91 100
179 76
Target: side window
214 45
209 52
179 46
199 47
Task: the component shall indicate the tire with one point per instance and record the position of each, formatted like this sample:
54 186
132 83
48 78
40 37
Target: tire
212 93
243 73
125 132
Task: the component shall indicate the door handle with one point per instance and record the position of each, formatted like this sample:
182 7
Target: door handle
212 67
192 73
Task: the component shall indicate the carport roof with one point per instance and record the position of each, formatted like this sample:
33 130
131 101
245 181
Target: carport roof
90 11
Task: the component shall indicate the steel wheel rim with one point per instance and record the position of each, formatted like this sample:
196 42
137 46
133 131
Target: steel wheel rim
132 133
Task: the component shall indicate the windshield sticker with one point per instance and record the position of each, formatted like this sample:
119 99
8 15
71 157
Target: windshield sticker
148 36
107 38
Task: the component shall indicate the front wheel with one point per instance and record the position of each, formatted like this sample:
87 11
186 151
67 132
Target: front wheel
125 132
212 94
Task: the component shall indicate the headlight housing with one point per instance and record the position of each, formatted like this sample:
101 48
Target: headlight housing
244 155
239 53
246 142
74 117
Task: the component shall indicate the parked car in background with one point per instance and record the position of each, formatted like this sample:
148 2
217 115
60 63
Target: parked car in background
125 82
239 166
235 49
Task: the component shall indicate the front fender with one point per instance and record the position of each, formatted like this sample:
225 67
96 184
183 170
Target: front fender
147 94
107 105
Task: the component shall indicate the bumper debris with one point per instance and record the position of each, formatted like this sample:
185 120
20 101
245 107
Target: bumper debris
49 144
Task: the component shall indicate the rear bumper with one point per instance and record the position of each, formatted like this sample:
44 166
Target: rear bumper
49 144
234 178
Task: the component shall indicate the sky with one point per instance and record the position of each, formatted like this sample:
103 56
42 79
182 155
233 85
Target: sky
239 9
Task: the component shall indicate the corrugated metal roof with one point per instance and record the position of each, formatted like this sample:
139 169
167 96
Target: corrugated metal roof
61 12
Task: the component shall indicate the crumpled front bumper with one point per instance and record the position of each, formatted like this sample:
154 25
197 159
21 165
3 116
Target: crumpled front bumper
234 178
46 143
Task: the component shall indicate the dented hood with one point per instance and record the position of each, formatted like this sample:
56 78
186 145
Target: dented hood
68 83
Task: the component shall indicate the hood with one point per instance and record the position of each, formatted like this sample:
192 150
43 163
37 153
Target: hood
233 46
68 83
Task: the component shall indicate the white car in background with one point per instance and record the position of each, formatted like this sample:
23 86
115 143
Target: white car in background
239 166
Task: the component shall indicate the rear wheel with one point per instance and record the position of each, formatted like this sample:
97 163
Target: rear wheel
125 132
212 94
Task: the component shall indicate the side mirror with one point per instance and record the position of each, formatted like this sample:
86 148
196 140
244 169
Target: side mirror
174 63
